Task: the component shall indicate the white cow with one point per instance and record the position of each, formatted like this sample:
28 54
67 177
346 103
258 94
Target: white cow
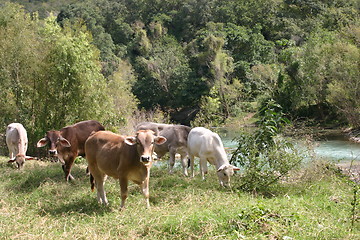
208 146
17 142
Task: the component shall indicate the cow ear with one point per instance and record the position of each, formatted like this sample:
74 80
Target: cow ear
11 160
130 140
42 142
64 142
221 167
160 140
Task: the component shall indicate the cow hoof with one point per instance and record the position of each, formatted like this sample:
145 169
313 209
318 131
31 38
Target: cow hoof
70 178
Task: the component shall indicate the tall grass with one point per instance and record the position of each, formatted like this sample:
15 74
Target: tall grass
36 203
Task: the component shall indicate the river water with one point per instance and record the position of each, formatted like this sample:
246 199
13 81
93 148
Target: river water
337 148
331 145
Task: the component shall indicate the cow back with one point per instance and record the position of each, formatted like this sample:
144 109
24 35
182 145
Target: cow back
17 135
12 135
204 141
109 152
176 135
155 127
78 133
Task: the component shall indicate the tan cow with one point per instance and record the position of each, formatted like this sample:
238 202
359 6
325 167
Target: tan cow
121 157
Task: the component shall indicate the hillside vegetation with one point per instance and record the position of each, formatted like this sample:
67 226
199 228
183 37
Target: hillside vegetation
200 62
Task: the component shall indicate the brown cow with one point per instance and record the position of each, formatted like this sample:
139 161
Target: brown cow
123 158
69 142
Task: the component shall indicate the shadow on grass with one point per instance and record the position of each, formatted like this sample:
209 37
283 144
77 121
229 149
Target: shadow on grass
160 178
28 180
85 205
165 187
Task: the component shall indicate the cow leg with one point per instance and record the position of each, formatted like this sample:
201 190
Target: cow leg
67 168
100 179
11 153
184 163
145 188
124 191
191 159
13 150
101 195
203 167
171 160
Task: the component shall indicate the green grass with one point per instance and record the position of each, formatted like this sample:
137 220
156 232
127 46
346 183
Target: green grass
36 203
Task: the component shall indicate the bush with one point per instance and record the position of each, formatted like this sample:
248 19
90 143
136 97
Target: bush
264 155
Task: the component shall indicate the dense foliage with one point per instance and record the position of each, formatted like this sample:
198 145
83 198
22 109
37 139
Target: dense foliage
102 59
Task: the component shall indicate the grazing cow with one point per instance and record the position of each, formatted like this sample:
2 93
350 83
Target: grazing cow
176 136
123 158
208 146
69 142
17 142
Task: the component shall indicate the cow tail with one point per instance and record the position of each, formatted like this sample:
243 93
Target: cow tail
92 182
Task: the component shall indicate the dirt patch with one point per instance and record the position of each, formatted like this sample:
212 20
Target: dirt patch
351 169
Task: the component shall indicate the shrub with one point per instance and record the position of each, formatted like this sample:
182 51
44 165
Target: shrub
265 155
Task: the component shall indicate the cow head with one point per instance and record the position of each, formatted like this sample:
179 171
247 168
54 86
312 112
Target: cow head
55 141
145 141
20 160
225 172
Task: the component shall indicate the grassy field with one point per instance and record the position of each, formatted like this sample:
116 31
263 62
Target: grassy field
36 203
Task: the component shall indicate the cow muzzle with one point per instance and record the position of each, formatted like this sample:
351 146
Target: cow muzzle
53 153
20 164
145 158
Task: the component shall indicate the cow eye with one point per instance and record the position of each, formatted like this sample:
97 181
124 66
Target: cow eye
225 174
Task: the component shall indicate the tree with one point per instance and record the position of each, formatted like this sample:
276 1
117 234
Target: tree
21 60
163 70
322 77
105 20
214 66
343 66
119 90
71 87
51 77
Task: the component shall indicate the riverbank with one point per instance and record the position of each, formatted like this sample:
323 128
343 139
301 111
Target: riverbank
354 135
351 169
